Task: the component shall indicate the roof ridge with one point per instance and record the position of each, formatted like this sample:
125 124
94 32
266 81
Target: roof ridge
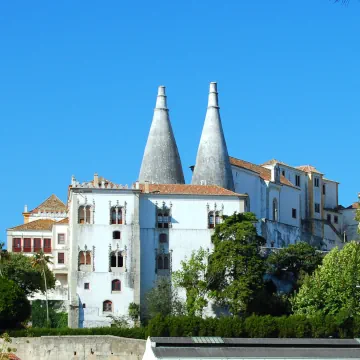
52 197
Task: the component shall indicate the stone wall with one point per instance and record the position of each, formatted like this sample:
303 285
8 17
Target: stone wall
79 348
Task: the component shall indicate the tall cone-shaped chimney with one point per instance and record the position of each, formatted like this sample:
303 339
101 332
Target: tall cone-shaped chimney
212 162
161 161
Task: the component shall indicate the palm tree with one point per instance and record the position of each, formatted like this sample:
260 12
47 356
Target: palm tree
41 260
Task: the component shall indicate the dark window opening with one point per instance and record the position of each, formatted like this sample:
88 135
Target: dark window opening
328 217
87 286
116 285
163 238
116 235
294 213
297 180
107 305
336 219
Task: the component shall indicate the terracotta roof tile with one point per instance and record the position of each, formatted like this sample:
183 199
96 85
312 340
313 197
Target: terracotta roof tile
10 357
183 189
51 205
41 224
308 168
263 172
274 161
63 221
354 205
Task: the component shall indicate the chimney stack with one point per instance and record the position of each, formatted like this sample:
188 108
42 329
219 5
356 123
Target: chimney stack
146 187
96 180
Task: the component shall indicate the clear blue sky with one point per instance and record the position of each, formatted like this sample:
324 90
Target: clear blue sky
78 82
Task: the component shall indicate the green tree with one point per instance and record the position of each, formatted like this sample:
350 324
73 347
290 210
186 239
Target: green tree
236 269
4 255
14 306
193 278
295 260
41 261
18 267
334 286
162 299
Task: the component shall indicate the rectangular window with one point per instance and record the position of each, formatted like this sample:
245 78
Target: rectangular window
328 217
297 180
17 245
294 213
283 173
47 245
324 189
316 182
336 219
317 207
27 245
61 239
87 286
61 258
37 244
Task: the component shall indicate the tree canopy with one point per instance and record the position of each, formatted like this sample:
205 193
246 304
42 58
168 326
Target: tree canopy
18 267
334 286
14 306
236 269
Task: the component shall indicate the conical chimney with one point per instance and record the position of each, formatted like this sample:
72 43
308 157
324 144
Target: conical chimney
161 161
212 162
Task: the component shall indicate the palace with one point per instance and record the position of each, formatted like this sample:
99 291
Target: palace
111 242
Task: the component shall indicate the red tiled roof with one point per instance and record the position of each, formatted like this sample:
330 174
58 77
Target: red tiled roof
274 161
354 205
51 205
41 224
183 189
263 172
308 168
63 221
10 357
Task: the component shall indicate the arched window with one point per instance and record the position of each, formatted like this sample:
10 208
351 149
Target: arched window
116 235
163 238
211 219
160 263
275 210
116 215
88 258
107 306
217 218
84 214
81 215
116 260
82 258
166 262
116 285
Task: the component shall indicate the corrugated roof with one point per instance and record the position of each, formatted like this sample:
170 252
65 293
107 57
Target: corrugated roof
41 224
263 172
182 189
51 205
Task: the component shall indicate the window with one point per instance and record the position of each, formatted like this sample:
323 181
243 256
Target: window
163 262
328 217
17 245
47 245
27 245
294 213
297 180
84 306
336 219
85 258
316 182
61 239
107 306
116 235
211 220
283 172
116 260
116 215
61 258
84 214
37 244
324 189
217 218
87 286
116 285
163 238
317 207
275 210
163 218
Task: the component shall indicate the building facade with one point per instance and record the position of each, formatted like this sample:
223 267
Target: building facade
111 242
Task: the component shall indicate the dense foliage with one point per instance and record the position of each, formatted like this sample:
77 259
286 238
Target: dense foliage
14 306
334 287
18 267
58 316
236 269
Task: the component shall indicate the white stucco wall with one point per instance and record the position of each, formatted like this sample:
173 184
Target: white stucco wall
330 197
289 199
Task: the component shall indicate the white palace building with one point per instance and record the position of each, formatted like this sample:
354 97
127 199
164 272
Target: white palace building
111 242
